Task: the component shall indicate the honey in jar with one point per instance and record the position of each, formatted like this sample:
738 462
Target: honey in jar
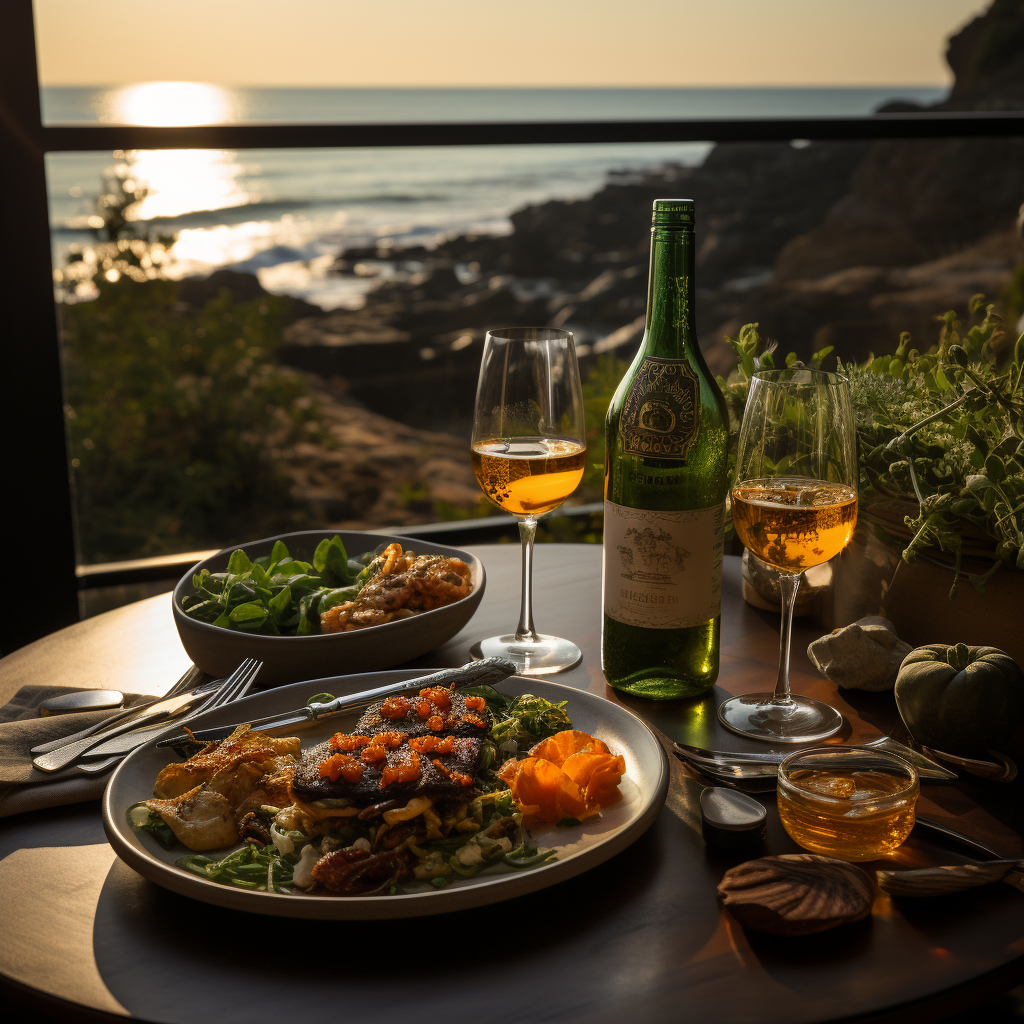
847 802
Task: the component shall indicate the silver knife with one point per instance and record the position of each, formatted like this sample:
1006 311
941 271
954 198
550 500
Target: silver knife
926 767
476 673
54 760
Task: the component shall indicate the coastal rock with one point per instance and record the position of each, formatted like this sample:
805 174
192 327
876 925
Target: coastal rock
375 471
865 655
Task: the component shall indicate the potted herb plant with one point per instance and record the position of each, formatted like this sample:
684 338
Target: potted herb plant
939 546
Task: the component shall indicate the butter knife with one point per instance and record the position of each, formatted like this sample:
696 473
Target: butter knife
476 673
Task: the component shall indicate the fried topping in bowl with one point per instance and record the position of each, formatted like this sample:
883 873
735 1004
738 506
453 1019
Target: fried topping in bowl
405 583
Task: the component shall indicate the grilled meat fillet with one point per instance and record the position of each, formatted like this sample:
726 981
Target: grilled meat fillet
426 745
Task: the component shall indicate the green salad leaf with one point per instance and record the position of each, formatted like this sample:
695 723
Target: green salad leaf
276 594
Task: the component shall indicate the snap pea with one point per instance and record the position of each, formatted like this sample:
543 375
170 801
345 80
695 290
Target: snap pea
524 856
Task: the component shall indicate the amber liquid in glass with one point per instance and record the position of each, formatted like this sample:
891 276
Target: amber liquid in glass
861 821
528 476
794 523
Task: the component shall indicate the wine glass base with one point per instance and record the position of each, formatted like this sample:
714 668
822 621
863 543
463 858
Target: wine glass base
799 720
540 657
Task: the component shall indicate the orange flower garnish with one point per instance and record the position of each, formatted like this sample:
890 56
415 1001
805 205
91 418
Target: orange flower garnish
391 740
435 744
374 753
476 703
461 779
474 720
564 744
440 697
404 771
341 766
435 722
395 707
597 775
342 741
424 709
543 791
568 775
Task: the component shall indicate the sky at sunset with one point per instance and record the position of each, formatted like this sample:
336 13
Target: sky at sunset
487 43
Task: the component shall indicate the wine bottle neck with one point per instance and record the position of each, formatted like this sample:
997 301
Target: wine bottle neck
670 295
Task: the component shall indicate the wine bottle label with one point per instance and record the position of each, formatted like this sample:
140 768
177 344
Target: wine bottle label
663 570
661 414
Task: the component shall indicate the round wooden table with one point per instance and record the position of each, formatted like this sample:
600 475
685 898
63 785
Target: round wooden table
642 935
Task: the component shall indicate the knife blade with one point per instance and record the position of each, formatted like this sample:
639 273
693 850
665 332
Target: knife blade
54 760
477 673
926 767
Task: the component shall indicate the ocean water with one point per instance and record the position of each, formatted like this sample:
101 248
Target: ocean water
286 214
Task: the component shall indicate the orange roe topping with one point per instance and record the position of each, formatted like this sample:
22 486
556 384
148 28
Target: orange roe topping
341 766
395 707
461 779
435 722
342 741
474 720
374 753
404 771
424 709
441 768
476 703
437 744
438 696
391 740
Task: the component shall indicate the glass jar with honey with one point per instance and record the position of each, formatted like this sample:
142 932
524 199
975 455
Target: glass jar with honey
847 802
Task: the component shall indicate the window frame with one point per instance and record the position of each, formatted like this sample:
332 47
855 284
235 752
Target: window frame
40 510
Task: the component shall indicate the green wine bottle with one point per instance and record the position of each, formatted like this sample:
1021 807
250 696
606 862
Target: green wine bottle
666 477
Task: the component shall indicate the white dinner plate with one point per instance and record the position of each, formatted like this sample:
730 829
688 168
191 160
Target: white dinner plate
580 847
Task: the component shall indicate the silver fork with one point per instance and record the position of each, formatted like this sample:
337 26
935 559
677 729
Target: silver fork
237 683
185 683
224 694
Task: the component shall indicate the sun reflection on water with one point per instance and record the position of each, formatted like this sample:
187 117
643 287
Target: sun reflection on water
171 104
180 181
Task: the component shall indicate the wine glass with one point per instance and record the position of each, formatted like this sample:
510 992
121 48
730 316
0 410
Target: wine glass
529 450
794 505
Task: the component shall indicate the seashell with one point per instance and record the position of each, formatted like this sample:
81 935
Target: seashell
866 655
796 893
940 881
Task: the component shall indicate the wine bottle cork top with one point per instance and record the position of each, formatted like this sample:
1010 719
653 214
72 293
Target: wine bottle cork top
669 213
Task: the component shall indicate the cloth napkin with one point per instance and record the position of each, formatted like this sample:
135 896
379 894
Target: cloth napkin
24 788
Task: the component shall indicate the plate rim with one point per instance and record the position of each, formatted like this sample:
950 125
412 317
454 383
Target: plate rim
404 905
208 628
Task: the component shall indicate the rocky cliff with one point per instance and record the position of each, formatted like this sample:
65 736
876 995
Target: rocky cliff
831 243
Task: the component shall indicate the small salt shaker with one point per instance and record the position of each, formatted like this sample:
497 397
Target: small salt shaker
732 822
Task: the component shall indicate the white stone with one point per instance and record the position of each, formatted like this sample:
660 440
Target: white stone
866 655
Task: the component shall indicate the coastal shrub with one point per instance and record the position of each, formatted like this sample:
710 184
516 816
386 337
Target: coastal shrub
177 418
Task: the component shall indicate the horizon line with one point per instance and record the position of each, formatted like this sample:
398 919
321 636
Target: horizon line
499 88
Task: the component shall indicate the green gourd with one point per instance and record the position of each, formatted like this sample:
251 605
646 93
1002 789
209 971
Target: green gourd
962 700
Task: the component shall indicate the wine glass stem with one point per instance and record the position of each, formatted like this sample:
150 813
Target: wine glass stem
789 584
527 533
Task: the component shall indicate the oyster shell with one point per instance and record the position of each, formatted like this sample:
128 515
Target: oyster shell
796 893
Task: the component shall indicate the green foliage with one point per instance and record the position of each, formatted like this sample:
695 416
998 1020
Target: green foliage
598 391
942 428
176 418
